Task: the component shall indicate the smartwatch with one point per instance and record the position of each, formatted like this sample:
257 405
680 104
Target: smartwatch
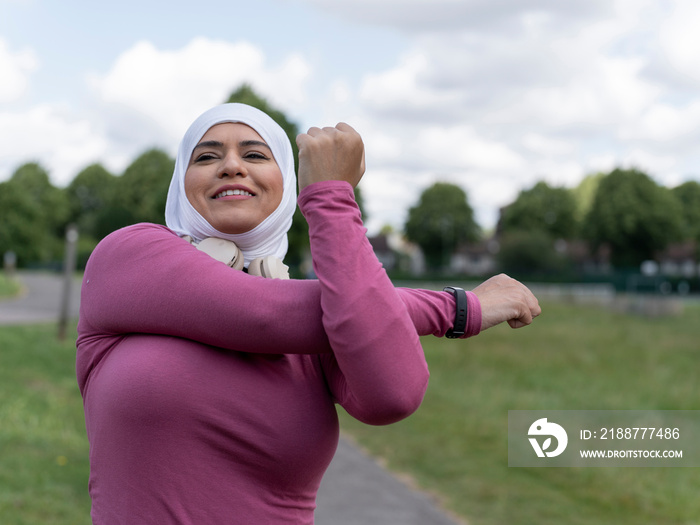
460 324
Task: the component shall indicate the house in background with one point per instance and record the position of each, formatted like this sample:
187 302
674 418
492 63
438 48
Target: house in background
395 253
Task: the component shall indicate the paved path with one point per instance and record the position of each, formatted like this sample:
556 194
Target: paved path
355 489
40 300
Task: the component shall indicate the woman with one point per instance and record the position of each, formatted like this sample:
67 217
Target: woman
208 392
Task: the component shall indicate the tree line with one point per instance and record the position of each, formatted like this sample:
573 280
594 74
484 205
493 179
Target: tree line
621 218
623 214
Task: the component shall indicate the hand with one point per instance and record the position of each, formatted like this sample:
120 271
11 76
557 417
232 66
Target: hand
505 299
330 154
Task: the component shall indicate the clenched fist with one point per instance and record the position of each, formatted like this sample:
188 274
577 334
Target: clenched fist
330 154
505 299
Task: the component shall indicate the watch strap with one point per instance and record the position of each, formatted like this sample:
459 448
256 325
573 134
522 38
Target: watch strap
460 325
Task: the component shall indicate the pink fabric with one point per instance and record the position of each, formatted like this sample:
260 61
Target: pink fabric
209 393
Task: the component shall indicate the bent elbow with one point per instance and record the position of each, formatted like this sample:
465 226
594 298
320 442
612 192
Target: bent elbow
395 406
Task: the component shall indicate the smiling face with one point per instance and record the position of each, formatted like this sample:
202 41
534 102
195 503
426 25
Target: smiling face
232 179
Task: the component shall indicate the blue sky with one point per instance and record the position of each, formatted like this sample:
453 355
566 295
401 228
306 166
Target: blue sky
491 95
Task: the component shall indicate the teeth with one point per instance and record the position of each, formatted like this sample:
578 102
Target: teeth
228 193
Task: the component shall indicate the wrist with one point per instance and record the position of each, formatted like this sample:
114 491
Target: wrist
459 327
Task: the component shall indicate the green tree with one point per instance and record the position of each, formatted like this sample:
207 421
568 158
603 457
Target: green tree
688 197
440 221
530 253
584 194
142 190
633 215
51 201
90 193
22 228
542 208
34 216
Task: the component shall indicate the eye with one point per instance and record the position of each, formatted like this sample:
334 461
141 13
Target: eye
205 157
256 155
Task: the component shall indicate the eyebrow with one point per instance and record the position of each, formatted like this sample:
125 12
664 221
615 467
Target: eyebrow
247 143
242 144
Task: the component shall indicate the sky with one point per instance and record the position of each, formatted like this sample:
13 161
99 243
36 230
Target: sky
491 95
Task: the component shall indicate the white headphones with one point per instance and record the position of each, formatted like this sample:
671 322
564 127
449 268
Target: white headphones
228 253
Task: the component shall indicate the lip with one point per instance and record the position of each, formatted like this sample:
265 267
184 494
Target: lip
232 187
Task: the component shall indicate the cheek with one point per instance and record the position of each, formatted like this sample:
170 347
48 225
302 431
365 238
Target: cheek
279 191
277 187
191 187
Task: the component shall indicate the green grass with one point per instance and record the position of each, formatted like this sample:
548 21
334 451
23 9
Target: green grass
8 287
572 358
455 446
43 447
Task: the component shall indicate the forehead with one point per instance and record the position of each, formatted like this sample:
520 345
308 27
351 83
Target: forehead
232 131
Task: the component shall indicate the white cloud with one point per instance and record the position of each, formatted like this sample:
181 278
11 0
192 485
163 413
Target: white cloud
170 88
668 124
62 144
450 15
535 94
401 92
15 68
461 148
679 39
147 98
388 195
547 146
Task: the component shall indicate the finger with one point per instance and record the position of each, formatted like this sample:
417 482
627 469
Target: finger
314 131
526 317
342 126
532 303
521 321
301 139
536 311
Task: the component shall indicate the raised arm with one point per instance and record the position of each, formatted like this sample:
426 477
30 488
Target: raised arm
377 371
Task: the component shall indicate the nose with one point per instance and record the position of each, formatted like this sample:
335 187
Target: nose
232 166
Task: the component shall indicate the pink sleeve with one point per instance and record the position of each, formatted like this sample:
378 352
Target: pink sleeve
145 279
377 371
433 313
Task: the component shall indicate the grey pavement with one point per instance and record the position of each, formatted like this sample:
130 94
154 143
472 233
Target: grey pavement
40 300
356 490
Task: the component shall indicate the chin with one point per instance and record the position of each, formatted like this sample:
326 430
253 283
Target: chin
236 228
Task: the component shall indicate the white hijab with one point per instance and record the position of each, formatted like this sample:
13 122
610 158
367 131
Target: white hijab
270 236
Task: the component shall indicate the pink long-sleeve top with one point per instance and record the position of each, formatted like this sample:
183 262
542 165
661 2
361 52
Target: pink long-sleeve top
209 393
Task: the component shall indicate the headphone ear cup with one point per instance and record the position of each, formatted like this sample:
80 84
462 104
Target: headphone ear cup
222 250
270 267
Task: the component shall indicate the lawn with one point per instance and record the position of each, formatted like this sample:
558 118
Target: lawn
43 448
455 446
572 358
